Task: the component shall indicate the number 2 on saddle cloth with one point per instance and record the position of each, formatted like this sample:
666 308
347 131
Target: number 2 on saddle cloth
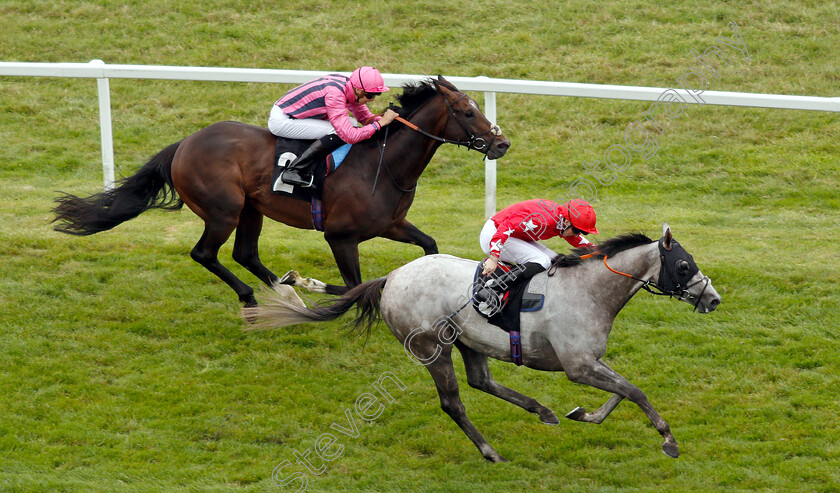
285 152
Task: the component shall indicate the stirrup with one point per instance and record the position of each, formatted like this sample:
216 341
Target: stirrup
483 294
488 300
291 177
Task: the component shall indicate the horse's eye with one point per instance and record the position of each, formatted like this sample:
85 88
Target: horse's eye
683 266
469 113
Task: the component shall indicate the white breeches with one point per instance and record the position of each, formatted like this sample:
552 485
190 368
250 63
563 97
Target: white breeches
515 250
282 125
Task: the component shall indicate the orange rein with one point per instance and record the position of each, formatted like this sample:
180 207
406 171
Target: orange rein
407 123
590 255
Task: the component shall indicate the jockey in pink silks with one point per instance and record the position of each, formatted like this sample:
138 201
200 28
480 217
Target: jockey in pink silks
512 236
319 110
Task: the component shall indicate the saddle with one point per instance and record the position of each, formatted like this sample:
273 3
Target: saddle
528 296
285 152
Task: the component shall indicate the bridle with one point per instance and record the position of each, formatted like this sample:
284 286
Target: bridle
475 142
673 289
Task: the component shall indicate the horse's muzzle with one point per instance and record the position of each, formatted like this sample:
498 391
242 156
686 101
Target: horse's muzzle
498 148
707 300
708 304
714 304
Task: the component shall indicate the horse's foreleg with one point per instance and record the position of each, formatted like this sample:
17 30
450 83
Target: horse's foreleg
597 374
405 232
346 253
598 417
479 377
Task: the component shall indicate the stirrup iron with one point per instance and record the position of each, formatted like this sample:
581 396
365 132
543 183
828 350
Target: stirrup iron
291 177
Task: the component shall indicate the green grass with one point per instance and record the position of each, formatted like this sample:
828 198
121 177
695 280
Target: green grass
123 366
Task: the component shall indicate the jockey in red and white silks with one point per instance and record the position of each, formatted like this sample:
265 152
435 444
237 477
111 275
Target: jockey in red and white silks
320 107
512 234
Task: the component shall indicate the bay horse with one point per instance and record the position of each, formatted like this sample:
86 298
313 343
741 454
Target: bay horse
223 172
423 304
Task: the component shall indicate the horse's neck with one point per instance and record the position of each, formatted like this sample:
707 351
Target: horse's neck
408 163
641 262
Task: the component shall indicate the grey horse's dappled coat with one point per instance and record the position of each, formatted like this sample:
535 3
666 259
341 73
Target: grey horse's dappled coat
422 303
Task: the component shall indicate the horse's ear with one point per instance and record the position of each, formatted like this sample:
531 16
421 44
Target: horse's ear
666 236
441 82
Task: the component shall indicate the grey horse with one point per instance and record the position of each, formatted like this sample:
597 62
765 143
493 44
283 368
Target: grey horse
423 304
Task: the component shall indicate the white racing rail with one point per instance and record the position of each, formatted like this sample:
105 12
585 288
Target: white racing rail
97 69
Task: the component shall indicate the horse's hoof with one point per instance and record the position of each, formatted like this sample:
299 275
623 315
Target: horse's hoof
489 453
288 278
576 413
249 301
671 450
549 419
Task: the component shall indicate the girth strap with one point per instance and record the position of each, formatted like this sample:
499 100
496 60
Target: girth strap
516 347
317 214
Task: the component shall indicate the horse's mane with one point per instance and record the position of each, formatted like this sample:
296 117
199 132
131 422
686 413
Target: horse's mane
608 248
415 94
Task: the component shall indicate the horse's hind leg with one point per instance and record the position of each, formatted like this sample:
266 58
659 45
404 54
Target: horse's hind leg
245 246
206 253
597 374
598 417
450 399
479 377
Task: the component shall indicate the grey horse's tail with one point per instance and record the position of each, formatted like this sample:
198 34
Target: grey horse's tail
280 311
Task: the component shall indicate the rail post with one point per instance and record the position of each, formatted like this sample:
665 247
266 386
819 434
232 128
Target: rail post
489 164
105 133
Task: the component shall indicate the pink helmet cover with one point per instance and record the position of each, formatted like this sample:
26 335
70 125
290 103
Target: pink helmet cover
368 79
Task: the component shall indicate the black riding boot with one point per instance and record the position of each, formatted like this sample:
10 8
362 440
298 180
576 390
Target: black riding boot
297 173
494 285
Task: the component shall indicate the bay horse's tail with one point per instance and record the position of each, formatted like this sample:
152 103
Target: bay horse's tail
279 311
151 187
